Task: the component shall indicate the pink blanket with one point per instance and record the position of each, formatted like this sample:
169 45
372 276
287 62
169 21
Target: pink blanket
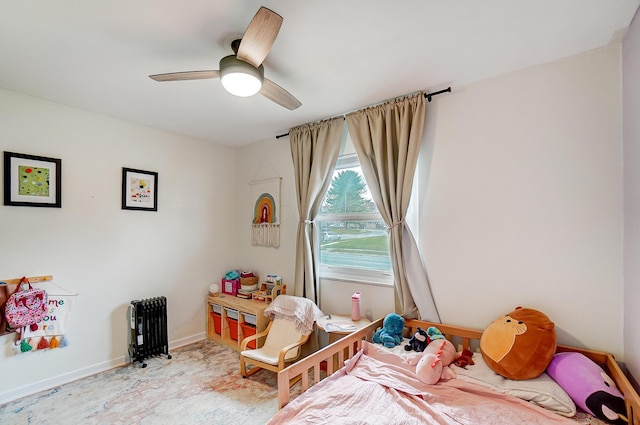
379 387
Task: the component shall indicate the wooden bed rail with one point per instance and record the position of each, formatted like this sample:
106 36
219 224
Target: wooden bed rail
333 354
455 334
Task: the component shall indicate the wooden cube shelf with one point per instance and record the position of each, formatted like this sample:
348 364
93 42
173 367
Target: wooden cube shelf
239 310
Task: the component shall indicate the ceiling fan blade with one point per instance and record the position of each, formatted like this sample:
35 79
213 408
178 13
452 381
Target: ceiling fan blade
259 36
277 94
187 75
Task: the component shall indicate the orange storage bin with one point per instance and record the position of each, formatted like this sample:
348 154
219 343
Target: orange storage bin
217 323
249 330
233 328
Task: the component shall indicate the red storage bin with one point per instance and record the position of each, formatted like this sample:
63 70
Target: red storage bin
249 330
217 323
233 328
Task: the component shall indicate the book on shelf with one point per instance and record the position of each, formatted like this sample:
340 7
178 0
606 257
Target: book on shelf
244 294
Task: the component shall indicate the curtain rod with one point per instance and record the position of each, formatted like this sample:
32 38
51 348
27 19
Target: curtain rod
427 95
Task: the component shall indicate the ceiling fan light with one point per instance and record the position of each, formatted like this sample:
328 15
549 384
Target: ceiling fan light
240 78
241 84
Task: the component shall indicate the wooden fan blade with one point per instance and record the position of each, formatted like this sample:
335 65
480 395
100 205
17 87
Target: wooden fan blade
187 75
277 94
259 36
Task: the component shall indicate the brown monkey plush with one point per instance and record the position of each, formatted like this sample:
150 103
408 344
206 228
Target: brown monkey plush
519 345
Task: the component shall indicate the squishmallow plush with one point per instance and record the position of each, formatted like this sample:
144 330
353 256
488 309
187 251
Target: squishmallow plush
519 345
589 386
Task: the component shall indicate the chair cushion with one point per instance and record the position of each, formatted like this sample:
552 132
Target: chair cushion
282 333
271 358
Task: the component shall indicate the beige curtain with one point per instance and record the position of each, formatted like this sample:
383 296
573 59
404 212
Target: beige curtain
315 149
387 139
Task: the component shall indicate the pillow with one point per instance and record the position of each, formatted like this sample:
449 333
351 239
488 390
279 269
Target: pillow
519 345
543 390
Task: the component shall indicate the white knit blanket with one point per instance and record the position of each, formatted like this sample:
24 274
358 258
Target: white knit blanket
300 310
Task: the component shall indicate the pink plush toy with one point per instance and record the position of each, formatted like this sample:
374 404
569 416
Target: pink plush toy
432 363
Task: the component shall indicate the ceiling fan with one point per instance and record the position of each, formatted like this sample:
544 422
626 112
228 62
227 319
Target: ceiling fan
242 73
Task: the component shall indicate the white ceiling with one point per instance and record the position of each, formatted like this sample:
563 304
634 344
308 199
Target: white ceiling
335 56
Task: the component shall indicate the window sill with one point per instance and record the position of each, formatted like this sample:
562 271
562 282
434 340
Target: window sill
356 276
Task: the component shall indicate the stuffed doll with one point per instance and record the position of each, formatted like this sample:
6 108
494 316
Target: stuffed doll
391 333
431 365
465 358
418 341
434 333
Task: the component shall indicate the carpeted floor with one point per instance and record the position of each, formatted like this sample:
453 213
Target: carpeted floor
201 384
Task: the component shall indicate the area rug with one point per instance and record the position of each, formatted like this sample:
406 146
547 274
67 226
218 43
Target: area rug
201 384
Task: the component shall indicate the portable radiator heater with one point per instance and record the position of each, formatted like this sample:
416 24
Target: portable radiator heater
149 338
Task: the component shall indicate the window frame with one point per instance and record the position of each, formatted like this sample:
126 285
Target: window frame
350 274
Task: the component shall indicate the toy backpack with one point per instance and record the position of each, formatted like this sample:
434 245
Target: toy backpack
26 306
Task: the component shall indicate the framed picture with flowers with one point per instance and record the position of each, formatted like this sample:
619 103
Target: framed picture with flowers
139 190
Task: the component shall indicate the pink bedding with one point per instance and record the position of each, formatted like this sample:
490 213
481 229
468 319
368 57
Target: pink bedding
379 387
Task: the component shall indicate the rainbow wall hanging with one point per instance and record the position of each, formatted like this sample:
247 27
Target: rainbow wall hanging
265 226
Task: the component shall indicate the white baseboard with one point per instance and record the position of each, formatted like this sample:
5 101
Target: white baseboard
187 340
65 378
55 381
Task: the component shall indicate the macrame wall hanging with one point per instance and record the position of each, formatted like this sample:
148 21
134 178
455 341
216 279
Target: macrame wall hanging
265 227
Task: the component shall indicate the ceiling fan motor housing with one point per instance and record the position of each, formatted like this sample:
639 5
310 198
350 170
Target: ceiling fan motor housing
239 77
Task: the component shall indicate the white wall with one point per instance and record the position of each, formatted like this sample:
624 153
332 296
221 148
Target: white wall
523 205
375 300
268 159
631 125
107 255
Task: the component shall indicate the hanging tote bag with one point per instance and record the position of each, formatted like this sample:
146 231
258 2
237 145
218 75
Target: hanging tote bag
26 306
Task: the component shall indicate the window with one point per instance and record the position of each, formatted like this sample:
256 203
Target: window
354 244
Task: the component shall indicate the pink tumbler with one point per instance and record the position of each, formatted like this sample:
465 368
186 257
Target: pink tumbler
355 306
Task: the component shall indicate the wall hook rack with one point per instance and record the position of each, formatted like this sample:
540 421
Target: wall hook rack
33 279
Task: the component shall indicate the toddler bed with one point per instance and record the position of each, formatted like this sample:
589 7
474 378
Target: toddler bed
373 387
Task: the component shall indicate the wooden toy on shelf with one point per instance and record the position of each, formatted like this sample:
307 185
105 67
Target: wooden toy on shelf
268 292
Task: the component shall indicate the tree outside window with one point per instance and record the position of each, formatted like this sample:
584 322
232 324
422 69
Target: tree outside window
347 194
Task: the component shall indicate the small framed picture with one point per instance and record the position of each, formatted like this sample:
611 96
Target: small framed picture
32 181
139 190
